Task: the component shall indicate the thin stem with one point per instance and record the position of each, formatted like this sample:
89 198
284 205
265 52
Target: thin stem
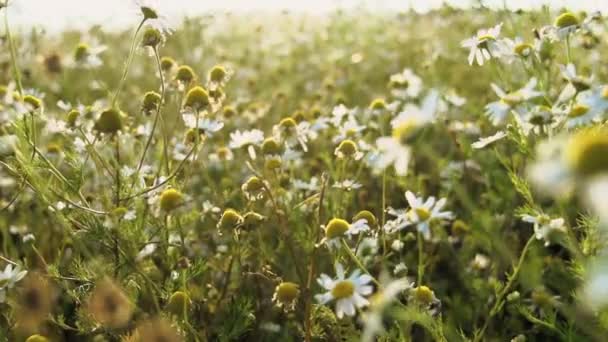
311 268
358 262
117 199
154 124
129 60
505 290
11 43
420 241
568 48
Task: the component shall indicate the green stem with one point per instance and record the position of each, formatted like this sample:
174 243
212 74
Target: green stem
420 241
129 60
154 124
498 304
11 43
358 262
568 48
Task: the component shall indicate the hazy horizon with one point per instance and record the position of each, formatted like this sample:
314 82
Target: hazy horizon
64 14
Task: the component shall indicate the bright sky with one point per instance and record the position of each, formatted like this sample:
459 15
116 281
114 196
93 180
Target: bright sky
59 14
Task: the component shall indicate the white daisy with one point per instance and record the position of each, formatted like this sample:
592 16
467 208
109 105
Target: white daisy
419 115
247 139
348 185
8 278
580 113
483 46
312 185
576 82
337 229
151 13
545 228
406 84
88 55
386 295
421 213
349 293
205 125
483 142
339 113
349 129
498 111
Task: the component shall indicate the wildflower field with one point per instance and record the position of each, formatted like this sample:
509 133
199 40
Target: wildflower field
351 176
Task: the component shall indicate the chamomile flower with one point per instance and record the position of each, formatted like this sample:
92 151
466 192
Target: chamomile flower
347 184
151 13
311 185
514 49
421 213
206 126
379 302
8 278
395 150
349 129
418 114
498 111
337 229
576 83
339 113
579 114
348 293
545 228
293 134
565 24
87 55
483 142
248 139
405 84
484 45
567 162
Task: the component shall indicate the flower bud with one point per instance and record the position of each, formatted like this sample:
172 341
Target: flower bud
152 37
286 293
366 215
185 74
170 200
230 219
270 146
336 228
197 98
566 19
179 304
151 101
167 63
109 121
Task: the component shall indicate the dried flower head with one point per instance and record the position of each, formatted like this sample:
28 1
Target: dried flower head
286 295
35 302
109 305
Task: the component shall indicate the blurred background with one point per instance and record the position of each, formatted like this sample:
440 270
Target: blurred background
61 14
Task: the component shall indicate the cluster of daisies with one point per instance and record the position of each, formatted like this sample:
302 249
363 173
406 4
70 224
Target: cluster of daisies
169 204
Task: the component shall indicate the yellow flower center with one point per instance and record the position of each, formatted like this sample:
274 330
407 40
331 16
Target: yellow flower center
587 152
523 49
423 295
422 213
343 289
347 148
405 131
336 228
287 292
170 199
513 99
578 110
605 92
483 40
566 20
